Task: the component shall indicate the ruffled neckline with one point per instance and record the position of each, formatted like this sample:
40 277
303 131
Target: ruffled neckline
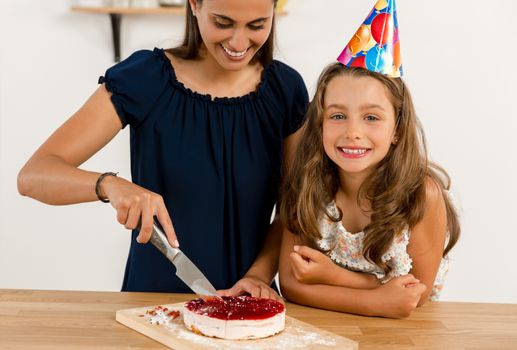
346 247
207 97
356 235
333 208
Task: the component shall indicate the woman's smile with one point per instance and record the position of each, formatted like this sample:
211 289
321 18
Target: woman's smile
234 55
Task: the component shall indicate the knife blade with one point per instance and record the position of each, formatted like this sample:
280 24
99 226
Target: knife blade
186 270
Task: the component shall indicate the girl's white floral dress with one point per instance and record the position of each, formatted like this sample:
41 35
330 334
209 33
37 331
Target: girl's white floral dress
345 249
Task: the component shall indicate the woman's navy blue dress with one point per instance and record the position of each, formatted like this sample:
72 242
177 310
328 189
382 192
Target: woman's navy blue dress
216 162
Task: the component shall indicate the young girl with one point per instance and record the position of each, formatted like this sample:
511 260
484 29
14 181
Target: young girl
207 119
369 223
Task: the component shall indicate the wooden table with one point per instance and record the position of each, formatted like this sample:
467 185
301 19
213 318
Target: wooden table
32 319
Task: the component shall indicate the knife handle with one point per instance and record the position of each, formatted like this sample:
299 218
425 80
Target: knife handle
159 240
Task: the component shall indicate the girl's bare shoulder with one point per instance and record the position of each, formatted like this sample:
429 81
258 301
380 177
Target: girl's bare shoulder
433 193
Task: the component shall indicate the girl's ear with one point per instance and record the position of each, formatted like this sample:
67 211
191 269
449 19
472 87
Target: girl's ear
395 140
193 6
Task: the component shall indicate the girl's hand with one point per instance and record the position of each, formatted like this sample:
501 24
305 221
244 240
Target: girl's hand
135 205
252 286
398 297
311 266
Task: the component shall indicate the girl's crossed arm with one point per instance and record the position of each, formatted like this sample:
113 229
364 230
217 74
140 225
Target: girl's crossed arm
396 299
311 266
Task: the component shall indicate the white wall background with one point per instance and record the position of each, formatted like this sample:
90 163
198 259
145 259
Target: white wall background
459 60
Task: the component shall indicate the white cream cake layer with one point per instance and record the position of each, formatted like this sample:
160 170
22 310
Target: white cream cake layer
234 329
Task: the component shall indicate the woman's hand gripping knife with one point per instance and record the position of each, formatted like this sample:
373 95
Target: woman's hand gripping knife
52 174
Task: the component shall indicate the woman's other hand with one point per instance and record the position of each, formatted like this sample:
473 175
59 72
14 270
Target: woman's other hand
137 206
252 286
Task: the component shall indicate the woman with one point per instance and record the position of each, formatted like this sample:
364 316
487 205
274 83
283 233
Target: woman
212 122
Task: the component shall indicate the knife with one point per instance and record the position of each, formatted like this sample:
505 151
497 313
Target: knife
185 268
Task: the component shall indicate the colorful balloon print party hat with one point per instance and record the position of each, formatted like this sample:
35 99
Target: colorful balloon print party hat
376 46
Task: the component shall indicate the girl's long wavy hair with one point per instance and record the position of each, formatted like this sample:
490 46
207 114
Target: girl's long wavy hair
189 49
395 191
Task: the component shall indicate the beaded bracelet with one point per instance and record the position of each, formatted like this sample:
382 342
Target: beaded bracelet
98 185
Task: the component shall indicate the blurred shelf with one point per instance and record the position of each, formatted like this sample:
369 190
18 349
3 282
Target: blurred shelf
159 10
166 10
116 13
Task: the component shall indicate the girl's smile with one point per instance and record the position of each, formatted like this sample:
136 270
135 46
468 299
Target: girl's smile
354 152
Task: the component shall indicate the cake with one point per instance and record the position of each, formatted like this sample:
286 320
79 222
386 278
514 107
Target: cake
242 317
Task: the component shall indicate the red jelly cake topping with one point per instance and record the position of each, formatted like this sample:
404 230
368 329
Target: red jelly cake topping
236 308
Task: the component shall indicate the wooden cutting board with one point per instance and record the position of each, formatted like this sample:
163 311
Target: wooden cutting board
174 334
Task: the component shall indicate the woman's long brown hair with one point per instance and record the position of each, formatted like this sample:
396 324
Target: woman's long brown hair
189 49
395 191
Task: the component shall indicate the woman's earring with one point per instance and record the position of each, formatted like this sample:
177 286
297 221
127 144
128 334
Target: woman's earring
395 140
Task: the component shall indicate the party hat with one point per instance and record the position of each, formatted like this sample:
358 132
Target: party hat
376 46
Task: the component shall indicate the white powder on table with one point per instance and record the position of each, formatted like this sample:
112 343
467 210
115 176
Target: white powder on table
292 337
